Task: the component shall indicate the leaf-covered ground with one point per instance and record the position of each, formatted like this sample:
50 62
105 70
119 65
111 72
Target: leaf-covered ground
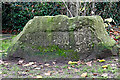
106 68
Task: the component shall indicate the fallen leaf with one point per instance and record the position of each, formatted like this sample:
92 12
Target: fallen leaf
26 70
102 60
104 75
89 63
6 64
38 76
54 63
41 66
95 74
113 65
20 62
25 65
60 71
84 74
47 65
1 62
69 67
34 66
37 68
70 62
73 66
29 64
23 73
48 73
105 66
115 59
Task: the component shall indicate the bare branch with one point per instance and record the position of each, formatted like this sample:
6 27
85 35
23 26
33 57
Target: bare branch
85 9
67 8
77 8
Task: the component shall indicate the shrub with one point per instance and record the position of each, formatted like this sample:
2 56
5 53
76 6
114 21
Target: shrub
16 14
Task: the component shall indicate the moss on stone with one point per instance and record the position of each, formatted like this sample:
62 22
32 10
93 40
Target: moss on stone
45 27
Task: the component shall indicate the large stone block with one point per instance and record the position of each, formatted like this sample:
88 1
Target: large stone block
83 37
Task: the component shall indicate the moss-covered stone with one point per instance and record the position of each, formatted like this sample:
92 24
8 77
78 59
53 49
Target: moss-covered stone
83 36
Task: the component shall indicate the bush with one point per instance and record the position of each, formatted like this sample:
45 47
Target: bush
16 15
107 10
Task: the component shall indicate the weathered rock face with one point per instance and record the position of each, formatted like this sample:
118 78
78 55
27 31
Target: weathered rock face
80 37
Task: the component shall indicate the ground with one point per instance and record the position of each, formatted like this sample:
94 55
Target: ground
57 69
19 68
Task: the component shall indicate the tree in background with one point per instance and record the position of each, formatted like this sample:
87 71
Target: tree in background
16 14
103 9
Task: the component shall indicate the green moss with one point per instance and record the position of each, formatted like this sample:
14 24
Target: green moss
55 49
49 35
102 33
71 25
103 46
61 23
50 19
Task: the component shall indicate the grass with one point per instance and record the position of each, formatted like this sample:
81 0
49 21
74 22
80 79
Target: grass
92 70
70 73
85 69
79 66
57 66
5 44
4 72
15 68
110 61
65 67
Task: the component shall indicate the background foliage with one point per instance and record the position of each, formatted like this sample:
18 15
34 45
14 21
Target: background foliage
107 10
16 14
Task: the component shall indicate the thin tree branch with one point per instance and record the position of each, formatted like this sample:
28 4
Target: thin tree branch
77 7
67 8
85 9
93 7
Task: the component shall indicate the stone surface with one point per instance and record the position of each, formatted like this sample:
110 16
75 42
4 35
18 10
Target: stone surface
84 35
